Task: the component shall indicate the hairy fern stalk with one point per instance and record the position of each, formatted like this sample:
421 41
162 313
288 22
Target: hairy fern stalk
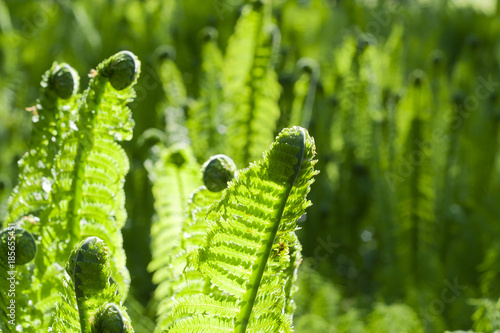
250 253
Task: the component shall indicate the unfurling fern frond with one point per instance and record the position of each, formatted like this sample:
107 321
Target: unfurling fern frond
174 176
88 194
51 117
217 172
304 91
97 305
249 252
205 115
72 178
251 87
17 248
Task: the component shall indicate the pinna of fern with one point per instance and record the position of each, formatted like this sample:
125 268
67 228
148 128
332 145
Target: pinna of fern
217 172
249 253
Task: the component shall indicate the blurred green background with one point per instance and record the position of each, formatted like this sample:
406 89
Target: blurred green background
403 232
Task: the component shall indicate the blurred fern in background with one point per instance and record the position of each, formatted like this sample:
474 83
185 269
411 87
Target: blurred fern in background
400 96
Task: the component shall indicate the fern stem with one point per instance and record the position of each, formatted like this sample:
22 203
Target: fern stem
259 267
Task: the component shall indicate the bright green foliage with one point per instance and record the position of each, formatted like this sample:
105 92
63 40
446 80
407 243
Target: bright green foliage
304 91
51 118
96 306
405 209
205 122
249 252
174 175
250 84
71 180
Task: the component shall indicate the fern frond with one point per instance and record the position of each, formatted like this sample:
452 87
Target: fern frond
257 212
76 172
52 117
176 100
217 171
205 115
250 85
304 92
97 305
175 176
88 193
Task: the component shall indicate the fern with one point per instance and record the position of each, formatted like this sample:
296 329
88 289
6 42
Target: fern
182 283
174 175
88 192
91 303
204 122
176 99
304 91
51 117
71 180
250 244
250 85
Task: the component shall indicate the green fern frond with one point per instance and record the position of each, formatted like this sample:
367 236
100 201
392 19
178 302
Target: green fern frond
52 116
175 175
251 87
88 192
172 109
75 172
257 212
181 282
205 115
304 92
97 305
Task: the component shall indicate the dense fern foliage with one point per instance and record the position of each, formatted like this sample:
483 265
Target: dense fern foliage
401 98
71 187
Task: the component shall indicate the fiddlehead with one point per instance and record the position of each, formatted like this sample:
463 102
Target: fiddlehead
217 172
109 318
51 117
89 278
256 214
18 244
